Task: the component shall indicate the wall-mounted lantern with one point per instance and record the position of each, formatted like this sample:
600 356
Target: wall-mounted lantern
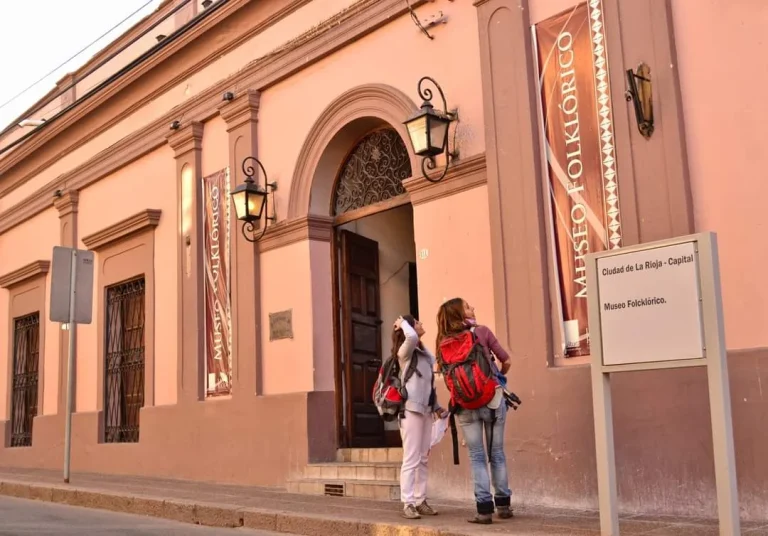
640 92
251 201
428 129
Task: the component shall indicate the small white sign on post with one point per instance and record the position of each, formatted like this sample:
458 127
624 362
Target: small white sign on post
67 261
71 304
658 306
650 305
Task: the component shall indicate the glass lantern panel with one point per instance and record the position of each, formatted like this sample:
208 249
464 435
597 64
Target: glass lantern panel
256 204
417 131
239 200
438 129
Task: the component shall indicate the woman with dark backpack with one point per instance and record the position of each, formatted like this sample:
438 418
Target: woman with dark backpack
464 352
417 376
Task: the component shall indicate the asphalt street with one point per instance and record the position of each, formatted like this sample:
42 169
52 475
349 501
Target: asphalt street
21 517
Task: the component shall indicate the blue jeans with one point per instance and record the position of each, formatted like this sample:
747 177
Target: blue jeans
476 426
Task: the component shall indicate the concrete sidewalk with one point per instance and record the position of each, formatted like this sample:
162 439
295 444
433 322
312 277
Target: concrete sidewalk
275 510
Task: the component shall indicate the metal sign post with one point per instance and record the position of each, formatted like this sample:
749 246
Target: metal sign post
658 306
72 304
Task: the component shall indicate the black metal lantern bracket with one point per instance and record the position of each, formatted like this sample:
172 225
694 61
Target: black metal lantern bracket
640 93
249 170
429 162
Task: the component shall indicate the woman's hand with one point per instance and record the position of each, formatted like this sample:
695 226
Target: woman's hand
440 413
399 322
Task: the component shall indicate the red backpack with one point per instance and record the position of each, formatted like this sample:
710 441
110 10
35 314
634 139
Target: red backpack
467 371
389 392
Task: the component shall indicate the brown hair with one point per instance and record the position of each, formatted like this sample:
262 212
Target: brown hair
450 321
398 336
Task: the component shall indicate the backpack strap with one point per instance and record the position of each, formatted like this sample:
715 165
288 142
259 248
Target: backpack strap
490 436
412 367
454 432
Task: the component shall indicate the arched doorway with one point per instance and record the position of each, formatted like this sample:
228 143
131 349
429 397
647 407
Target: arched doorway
374 275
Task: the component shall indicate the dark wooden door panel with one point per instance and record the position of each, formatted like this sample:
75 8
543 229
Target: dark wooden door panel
361 332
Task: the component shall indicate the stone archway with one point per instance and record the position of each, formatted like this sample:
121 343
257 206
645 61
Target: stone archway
343 123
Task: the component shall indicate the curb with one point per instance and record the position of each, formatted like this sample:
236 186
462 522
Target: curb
212 514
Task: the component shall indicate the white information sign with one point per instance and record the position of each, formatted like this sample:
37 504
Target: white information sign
650 305
659 306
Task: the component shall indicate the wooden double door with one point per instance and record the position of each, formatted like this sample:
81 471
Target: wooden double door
360 348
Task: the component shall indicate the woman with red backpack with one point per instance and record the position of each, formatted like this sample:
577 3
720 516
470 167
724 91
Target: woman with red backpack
416 364
464 353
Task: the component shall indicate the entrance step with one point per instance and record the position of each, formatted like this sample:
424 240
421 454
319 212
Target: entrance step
393 455
381 472
360 473
359 489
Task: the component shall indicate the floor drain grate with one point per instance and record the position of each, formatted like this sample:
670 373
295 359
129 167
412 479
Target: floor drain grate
334 490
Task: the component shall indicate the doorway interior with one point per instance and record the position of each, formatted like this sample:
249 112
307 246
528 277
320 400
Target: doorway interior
374 275
377 282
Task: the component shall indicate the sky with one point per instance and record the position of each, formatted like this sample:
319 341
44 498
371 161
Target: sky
38 37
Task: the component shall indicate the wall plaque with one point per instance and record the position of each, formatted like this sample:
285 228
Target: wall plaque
281 325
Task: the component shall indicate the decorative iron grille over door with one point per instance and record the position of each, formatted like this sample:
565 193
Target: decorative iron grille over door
124 370
26 358
374 171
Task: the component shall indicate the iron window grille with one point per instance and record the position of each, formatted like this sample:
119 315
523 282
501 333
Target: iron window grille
124 361
26 358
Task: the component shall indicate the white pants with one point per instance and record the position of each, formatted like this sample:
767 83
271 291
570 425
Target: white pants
416 432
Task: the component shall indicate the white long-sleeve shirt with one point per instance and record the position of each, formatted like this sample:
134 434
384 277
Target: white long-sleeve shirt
419 388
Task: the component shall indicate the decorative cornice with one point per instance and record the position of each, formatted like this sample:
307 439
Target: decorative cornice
68 86
244 108
462 175
106 162
287 232
67 203
353 24
147 218
25 273
188 138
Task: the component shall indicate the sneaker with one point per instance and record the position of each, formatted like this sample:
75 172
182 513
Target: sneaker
482 519
504 512
426 510
410 512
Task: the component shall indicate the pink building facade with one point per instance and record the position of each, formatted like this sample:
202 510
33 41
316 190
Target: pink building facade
211 357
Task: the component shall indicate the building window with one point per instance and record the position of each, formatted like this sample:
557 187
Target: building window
124 361
374 171
26 358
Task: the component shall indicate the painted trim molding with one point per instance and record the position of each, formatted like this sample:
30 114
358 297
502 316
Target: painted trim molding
123 229
241 110
334 34
67 203
25 273
188 138
462 175
288 232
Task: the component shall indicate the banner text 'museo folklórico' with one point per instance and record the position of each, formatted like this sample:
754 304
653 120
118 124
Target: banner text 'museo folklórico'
218 324
575 98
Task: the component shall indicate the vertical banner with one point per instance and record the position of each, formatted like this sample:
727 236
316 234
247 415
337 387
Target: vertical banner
218 317
574 89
